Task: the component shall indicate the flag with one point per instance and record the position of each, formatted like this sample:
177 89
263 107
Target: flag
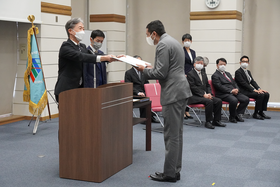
34 84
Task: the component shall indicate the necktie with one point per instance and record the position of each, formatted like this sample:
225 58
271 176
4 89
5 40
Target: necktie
200 76
248 76
139 74
79 47
226 77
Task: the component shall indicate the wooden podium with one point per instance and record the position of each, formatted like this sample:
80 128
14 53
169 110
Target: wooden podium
95 131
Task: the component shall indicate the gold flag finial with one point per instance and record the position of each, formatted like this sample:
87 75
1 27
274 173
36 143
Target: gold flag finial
31 18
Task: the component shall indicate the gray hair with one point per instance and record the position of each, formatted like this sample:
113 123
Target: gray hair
198 58
206 61
72 23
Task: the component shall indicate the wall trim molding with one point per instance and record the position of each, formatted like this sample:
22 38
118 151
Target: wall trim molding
56 9
214 15
107 18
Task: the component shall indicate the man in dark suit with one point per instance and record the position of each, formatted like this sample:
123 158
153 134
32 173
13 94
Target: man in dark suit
227 90
138 80
175 91
72 55
250 88
202 94
93 79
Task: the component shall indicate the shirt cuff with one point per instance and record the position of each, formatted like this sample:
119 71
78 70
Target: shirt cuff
98 57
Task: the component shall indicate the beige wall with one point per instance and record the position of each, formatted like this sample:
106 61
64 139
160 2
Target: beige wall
173 14
8 64
261 41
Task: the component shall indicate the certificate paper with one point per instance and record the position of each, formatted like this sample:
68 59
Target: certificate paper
132 61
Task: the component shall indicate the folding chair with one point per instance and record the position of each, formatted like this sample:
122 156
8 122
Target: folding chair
196 106
153 92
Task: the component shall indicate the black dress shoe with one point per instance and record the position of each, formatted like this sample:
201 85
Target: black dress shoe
162 178
257 116
189 117
264 116
239 118
232 120
177 175
209 125
219 124
185 117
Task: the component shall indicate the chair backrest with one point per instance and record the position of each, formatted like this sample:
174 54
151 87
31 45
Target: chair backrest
121 80
153 92
157 81
212 87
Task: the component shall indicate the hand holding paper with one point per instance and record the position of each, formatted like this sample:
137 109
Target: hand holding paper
132 61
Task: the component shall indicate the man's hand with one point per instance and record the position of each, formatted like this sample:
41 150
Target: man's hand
119 56
140 67
148 66
141 94
207 96
109 58
234 91
263 91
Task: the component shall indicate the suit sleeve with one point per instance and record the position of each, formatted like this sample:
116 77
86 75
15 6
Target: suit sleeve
194 88
128 78
253 82
242 82
68 51
160 70
218 86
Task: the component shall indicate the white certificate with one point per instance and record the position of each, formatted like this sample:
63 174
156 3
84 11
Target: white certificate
132 61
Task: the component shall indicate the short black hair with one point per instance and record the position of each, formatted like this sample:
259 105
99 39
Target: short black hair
221 59
187 36
244 57
156 26
137 56
96 33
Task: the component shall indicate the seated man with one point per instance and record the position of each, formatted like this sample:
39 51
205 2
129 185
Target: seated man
250 88
202 94
227 90
138 80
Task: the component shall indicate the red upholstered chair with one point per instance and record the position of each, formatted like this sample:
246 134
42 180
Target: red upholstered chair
122 81
153 92
223 102
192 106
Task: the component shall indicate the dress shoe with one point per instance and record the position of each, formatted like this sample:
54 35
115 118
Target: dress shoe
257 116
264 116
239 118
209 125
178 175
232 120
219 124
185 117
162 178
190 117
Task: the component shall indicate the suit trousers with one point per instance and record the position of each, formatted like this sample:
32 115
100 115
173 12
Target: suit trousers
233 101
173 115
211 106
261 100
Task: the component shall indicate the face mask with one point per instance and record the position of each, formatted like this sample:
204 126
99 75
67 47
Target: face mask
244 65
79 35
96 45
198 67
187 44
222 68
149 40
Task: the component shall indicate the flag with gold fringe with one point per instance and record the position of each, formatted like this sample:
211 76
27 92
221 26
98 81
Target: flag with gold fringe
34 84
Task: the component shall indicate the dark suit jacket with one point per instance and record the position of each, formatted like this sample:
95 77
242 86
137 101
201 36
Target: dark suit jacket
197 87
101 74
138 85
70 65
243 83
222 86
188 62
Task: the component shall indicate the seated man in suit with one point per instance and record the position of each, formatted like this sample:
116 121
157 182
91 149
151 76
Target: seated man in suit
100 73
202 94
250 88
227 90
138 80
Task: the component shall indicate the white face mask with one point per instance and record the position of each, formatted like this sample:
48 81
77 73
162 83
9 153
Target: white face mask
79 35
222 68
199 67
187 44
150 41
244 65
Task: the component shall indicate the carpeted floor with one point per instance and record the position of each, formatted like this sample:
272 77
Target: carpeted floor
242 155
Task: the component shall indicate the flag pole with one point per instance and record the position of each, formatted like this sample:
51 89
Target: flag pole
31 18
